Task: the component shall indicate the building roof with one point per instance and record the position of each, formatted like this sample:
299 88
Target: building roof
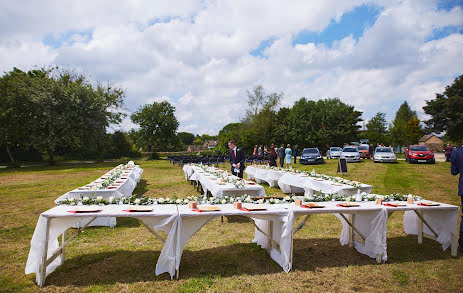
426 137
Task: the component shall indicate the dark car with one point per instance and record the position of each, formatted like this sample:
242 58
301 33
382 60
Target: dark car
311 156
419 154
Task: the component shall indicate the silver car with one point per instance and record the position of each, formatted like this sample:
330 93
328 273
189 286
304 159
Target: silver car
384 154
351 154
334 153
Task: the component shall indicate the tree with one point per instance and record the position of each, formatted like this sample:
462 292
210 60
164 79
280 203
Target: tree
51 109
446 111
402 116
119 145
413 130
186 138
16 110
256 99
158 125
377 128
73 113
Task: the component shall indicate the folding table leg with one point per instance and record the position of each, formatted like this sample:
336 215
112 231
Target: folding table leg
63 241
419 223
351 230
43 266
454 245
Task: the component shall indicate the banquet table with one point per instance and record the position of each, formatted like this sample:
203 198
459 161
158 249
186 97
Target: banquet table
439 223
212 184
46 254
363 227
272 229
125 189
262 174
299 183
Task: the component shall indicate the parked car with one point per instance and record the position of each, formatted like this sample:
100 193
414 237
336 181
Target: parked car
351 154
384 154
419 154
311 156
364 152
334 153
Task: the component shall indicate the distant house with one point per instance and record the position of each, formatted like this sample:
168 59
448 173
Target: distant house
207 145
210 144
432 141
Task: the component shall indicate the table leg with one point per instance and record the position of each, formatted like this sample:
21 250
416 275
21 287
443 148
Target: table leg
351 230
419 223
454 245
43 265
63 242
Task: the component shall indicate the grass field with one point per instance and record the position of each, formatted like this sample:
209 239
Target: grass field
221 257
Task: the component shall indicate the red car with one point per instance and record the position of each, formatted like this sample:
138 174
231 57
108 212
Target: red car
419 154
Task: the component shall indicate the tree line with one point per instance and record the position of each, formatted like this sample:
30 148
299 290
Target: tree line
51 112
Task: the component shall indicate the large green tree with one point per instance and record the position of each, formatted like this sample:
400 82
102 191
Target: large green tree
377 129
186 138
16 110
158 126
413 130
53 109
446 111
402 116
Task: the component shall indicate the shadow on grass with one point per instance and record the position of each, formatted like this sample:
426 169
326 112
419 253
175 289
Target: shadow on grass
123 266
141 189
85 166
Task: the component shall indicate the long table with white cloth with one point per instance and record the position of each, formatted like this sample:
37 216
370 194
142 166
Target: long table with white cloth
300 182
216 187
122 187
364 228
263 174
46 254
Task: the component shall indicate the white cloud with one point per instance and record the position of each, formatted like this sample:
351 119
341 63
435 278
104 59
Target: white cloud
195 54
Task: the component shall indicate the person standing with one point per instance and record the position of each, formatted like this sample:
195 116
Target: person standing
456 160
272 157
260 151
236 158
296 148
448 152
254 153
281 154
289 156
265 150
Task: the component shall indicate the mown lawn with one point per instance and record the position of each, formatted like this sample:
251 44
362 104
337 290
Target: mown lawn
221 257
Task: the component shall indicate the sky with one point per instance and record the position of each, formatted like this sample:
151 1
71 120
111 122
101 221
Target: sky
202 56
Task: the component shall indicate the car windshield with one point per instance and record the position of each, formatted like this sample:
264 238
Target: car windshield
363 148
336 149
384 150
310 151
350 150
419 148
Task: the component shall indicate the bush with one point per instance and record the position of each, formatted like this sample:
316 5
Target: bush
134 154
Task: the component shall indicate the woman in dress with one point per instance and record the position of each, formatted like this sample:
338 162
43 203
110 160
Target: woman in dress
272 157
289 156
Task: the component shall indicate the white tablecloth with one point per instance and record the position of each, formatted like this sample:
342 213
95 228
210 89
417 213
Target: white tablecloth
370 219
188 170
296 183
190 222
443 219
162 218
227 189
264 175
125 189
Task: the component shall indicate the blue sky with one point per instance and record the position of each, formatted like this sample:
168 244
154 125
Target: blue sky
202 56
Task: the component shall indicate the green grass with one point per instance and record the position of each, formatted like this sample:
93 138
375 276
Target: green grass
221 256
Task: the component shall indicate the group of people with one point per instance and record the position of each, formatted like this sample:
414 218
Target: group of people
237 157
285 155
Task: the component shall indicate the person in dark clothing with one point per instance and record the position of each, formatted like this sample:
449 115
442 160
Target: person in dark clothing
296 148
272 157
371 150
456 160
448 152
236 158
281 155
